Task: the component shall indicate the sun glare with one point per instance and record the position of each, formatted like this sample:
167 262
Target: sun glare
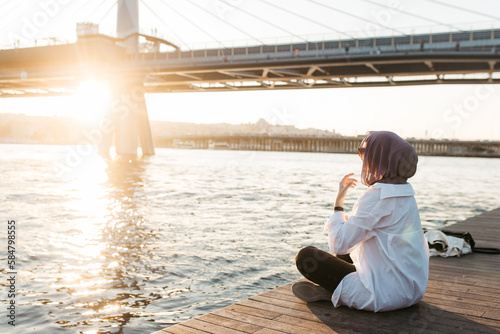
92 99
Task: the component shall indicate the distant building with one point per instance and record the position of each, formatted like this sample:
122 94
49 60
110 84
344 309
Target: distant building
262 124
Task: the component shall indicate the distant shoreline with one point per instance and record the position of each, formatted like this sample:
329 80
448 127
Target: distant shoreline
350 147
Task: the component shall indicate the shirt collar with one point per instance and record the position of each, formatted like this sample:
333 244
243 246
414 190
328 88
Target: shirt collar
388 190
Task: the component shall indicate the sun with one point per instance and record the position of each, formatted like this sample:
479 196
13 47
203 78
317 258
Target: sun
91 101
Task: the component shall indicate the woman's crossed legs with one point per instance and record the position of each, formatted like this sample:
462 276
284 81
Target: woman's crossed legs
323 268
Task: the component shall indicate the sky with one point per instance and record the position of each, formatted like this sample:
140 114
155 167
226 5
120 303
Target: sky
467 112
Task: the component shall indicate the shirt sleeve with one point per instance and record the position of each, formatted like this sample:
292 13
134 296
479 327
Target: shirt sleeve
344 234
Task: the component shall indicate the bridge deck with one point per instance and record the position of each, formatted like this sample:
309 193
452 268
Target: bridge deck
441 58
463 296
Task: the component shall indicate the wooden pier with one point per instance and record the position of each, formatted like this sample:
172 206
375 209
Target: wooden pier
463 296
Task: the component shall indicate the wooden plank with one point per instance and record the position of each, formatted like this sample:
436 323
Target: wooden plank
494 324
181 329
230 323
292 305
283 296
308 326
263 305
477 271
474 298
252 311
492 314
455 307
290 315
305 315
210 327
263 322
382 327
269 331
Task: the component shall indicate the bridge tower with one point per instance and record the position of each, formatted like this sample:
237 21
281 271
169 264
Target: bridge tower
127 24
128 111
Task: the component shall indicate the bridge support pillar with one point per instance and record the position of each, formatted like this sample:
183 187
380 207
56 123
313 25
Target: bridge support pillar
128 116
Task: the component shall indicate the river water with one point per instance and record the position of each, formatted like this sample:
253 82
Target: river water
135 246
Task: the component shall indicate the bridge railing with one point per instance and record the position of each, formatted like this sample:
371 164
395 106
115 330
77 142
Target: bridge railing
474 40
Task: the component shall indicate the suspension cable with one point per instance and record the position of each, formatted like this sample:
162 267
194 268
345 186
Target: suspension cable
95 10
166 24
262 20
10 6
194 24
355 16
464 9
229 24
109 11
78 11
414 15
306 18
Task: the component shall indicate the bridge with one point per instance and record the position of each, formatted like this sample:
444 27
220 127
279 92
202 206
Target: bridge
326 144
442 58
457 57
389 61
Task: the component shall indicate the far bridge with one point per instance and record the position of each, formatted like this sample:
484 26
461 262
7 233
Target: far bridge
326 144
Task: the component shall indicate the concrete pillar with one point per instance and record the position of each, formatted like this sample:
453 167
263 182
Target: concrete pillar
129 116
144 127
126 135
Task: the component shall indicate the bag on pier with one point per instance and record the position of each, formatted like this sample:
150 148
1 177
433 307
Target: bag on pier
468 238
446 243
443 245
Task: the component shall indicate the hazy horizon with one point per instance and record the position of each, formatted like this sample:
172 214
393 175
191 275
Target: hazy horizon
93 123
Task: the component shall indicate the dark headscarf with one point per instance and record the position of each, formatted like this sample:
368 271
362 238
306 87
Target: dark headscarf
387 158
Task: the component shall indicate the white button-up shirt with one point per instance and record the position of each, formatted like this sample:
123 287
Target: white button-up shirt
385 240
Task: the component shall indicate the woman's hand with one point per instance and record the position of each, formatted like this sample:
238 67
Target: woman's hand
344 185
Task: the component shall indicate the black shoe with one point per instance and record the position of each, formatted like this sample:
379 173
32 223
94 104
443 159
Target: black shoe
310 292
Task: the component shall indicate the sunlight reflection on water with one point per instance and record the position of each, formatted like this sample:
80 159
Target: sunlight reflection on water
134 246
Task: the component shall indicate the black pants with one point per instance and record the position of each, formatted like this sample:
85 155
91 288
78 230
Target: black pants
322 267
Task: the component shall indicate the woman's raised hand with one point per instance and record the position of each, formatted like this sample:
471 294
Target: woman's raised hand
344 185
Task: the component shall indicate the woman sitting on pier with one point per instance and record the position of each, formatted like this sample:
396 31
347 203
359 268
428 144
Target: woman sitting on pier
382 260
